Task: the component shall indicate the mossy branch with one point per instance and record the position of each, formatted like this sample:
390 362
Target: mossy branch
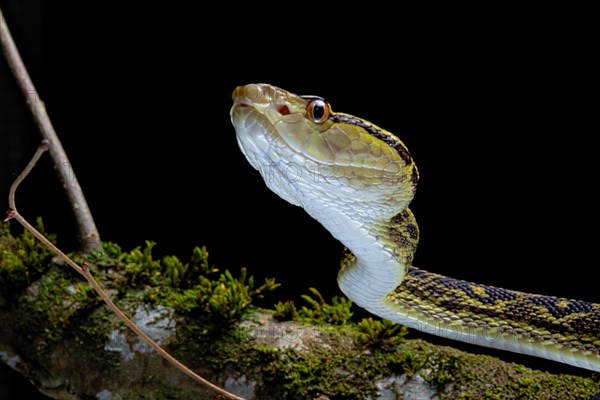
85 271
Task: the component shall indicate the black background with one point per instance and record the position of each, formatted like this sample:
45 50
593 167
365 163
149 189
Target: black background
496 112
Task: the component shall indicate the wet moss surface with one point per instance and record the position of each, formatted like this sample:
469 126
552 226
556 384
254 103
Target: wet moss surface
55 330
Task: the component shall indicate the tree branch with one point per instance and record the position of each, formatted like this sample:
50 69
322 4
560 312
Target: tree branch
89 237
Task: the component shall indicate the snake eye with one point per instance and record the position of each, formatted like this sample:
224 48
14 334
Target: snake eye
318 111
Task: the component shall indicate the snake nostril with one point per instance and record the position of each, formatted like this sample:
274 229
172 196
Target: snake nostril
283 110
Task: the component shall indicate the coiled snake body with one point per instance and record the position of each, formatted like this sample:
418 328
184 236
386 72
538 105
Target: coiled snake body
357 180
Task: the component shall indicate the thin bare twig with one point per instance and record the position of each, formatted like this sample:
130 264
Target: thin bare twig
89 237
84 270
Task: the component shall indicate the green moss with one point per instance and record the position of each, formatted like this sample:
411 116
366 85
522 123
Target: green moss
285 311
139 267
470 376
338 312
192 288
339 374
196 287
376 333
12 270
22 259
57 298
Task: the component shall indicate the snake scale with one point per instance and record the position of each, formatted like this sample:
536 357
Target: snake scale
357 180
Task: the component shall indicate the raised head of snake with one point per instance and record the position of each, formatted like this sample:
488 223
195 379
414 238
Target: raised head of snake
357 180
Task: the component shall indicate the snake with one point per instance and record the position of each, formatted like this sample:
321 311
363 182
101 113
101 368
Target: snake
358 180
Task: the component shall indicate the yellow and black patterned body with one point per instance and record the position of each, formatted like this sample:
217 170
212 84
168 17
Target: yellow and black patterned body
363 201
551 327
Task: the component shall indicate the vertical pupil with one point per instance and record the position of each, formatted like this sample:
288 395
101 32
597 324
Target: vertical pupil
318 111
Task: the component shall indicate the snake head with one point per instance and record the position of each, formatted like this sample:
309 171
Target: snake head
314 157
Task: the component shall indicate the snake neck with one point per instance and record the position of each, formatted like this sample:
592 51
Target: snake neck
378 253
